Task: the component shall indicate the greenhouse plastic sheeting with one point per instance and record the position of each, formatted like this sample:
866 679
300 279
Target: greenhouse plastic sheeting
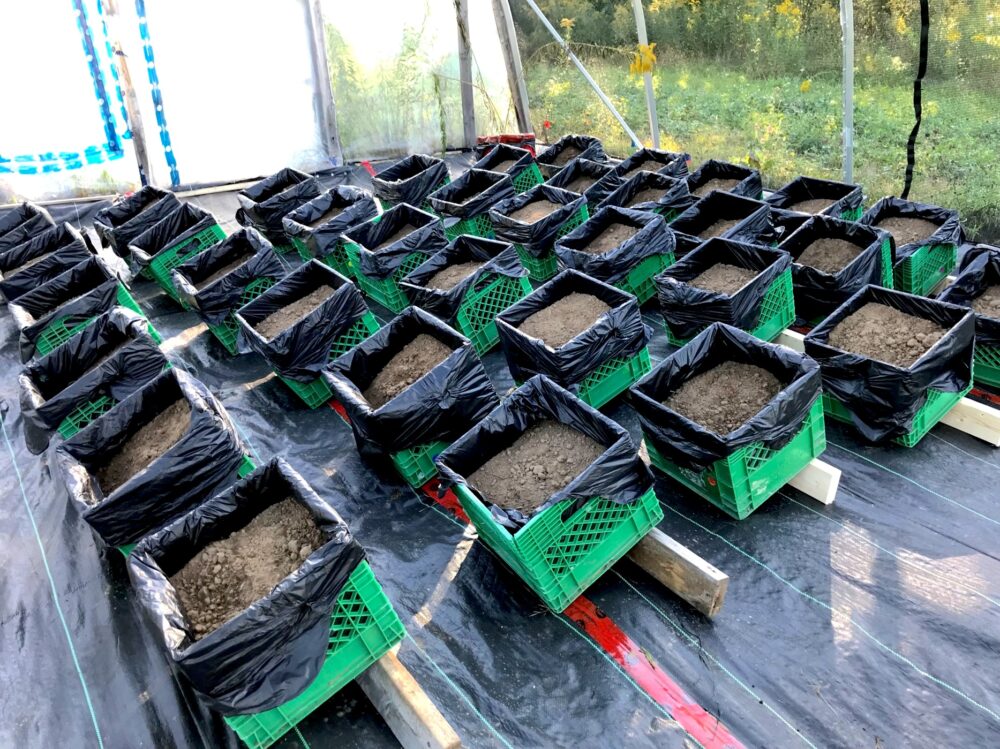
873 620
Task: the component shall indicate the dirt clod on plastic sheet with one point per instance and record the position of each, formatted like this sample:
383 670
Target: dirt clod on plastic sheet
871 622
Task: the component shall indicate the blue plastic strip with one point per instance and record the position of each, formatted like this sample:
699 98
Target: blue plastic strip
97 75
154 83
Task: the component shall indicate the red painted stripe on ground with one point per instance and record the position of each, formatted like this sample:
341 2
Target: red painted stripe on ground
704 727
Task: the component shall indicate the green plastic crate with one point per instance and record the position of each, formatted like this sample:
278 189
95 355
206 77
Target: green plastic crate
938 403
363 628
170 257
543 268
777 312
336 259
987 366
639 281
527 178
60 330
314 394
83 414
385 291
560 557
416 465
301 249
743 481
228 330
477 314
477 226
920 272
887 274
614 377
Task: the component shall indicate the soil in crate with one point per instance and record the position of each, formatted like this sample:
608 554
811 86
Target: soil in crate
881 332
544 459
717 183
503 166
223 271
414 360
723 278
988 303
581 183
400 233
145 446
612 236
649 195
566 155
228 575
812 205
331 213
278 321
719 227
726 396
534 211
565 319
829 254
907 229
446 278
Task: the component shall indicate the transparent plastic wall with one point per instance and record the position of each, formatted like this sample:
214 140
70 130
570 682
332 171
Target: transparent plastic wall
395 77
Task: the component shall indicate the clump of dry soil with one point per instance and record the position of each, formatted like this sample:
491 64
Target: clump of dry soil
881 332
829 254
564 319
723 278
446 278
413 361
725 397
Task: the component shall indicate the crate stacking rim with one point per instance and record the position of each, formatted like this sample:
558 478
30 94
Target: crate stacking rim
416 464
925 268
777 312
314 394
938 403
385 291
477 226
476 318
363 628
228 330
560 557
742 481
170 257
544 267
639 280
59 330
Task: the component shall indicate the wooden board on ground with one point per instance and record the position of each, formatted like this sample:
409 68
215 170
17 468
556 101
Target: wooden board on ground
406 709
818 480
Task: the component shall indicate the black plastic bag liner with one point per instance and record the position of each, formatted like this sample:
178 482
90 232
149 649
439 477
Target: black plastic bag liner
499 259
521 159
81 293
654 160
979 271
410 180
691 445
320 235
618 474
179 226
845 198
618 332
441 405
301 351
272 650
214 302
537 238
128 217
675 195
779 228
46 255
688 309
949 226
884 398
113 356
749 185
818 293
427 238
264 204
203 461
752 216
605 179
471 195
653 238
588 147
21 223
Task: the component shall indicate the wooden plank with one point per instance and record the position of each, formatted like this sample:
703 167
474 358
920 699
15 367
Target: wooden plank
129 97
465 74
682 571
405 707
791 339
818 480
512 58
976 419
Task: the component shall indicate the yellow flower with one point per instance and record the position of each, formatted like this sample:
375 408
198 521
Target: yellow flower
644 60
806 85
901 27
567 23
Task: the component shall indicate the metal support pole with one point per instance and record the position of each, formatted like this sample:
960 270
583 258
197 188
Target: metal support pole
128 92
654 120
583 71
325 109
847 29
465 74
512 56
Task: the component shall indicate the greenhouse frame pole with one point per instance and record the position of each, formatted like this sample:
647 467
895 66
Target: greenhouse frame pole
847 28
465 74
654 120
326 110
583 71
512 56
